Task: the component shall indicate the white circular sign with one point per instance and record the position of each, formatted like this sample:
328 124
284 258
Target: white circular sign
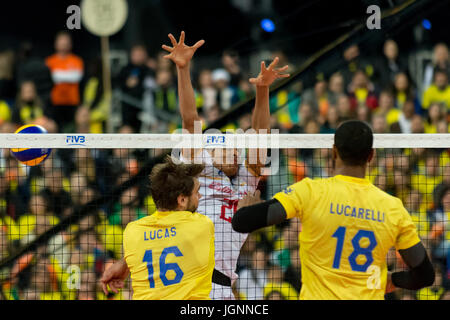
104 17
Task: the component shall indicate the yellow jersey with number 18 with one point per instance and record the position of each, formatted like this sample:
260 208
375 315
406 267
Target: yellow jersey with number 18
348 227
170 255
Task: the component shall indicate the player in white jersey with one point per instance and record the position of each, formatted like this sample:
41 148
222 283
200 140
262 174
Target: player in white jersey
220 196
223 184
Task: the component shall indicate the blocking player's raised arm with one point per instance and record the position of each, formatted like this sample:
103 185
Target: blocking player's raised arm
261 111
181 54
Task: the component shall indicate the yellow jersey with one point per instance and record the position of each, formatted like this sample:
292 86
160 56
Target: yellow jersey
170 255
348 227
434 94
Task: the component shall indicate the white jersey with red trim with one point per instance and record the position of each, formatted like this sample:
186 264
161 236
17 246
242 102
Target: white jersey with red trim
219 199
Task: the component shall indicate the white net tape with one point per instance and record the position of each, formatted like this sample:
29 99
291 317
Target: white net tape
169 141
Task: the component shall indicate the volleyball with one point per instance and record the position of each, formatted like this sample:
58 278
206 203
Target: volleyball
31 156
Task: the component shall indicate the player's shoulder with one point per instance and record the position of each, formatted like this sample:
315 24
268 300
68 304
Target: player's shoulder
383 194
320 184
133 225
305 187
314 182
388 201
201 218
130 227
204 222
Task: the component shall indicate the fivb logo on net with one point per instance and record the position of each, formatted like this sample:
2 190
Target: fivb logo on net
76 140
252 146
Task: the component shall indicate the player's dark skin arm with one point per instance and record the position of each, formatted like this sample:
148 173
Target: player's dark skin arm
420 273
250 218
253 217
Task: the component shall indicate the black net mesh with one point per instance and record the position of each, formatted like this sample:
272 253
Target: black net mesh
62 221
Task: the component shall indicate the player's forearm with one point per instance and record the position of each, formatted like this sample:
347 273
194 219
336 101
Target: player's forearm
123 264
416 278
122 267
188 108
261 113
251 218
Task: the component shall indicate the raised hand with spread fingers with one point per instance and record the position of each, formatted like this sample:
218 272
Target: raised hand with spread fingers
180 53
261 112
268 75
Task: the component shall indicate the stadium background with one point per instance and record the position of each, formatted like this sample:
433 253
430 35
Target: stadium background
312 101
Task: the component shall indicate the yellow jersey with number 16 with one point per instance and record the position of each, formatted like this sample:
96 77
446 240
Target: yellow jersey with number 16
170 255
348 227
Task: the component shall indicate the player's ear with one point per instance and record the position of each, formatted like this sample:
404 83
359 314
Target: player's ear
371 155
182 202
334 152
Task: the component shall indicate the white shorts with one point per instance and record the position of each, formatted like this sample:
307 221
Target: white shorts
220 292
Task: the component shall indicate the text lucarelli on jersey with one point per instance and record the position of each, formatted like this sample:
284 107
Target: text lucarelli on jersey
225 310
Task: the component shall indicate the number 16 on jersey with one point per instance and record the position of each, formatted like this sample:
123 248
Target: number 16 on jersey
164 266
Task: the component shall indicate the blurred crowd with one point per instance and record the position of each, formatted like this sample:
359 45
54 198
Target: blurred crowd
65 94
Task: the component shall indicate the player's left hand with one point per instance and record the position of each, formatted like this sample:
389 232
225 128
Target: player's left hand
114 276
268 75
181 54
249 200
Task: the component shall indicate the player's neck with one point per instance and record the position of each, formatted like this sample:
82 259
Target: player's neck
351 171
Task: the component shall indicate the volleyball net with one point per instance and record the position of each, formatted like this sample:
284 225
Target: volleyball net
62 221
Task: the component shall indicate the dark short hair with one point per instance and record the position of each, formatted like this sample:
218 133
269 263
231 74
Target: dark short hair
169 180
353 140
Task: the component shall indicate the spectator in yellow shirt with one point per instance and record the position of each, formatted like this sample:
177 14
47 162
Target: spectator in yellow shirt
426 181
438 92
5 112
37 221
386 107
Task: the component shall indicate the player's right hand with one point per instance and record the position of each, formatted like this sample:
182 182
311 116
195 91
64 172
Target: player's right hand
114 276
181 53
268 75
249 200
